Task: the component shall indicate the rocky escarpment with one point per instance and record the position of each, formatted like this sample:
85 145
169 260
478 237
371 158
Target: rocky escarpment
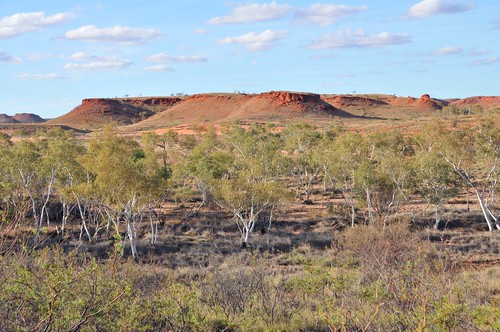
348 101
156 104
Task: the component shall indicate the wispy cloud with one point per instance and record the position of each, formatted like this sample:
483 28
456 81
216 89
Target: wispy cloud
496 24
252 12
255 41
116 34
426 8
325 14
448 50
39 77
38 56
158 68
17 24
162 57
359 39
201 31
93 62
6 57
486 62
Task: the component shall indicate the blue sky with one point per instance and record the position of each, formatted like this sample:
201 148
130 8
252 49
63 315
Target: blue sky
55 53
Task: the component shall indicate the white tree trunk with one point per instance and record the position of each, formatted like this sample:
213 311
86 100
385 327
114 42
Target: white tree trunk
484 210
438 214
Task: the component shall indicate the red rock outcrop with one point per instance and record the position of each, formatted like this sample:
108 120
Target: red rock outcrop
348 101
298 101
165 102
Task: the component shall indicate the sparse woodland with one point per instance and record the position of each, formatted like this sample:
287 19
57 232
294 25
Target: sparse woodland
84 222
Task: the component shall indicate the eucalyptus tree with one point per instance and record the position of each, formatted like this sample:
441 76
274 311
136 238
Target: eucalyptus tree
252 186
301 141
61 151
31 173
384 175
474 154
207 160
162 147
123 180
435 180
346 156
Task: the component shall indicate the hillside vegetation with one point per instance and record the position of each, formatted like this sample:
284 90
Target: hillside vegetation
255 227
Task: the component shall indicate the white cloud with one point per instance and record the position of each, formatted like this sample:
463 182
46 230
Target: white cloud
325 14
17 24
255 42
82 56
38 56
6 57
426 8
116 34
486 62
448 50
41 77
93 62
162 57
252 12
159 68
201 31
359 39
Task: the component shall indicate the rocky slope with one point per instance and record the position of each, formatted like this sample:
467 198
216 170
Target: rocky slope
95 112
274 105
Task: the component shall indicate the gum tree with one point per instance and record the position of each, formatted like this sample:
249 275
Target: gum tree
474 154
121 178
251 188
304 160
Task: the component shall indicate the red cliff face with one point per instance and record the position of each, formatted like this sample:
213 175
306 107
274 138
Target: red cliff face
346 101
287 98
153 101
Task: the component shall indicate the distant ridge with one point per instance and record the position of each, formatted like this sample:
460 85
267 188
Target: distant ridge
21 118
144 113
28 118
4 118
